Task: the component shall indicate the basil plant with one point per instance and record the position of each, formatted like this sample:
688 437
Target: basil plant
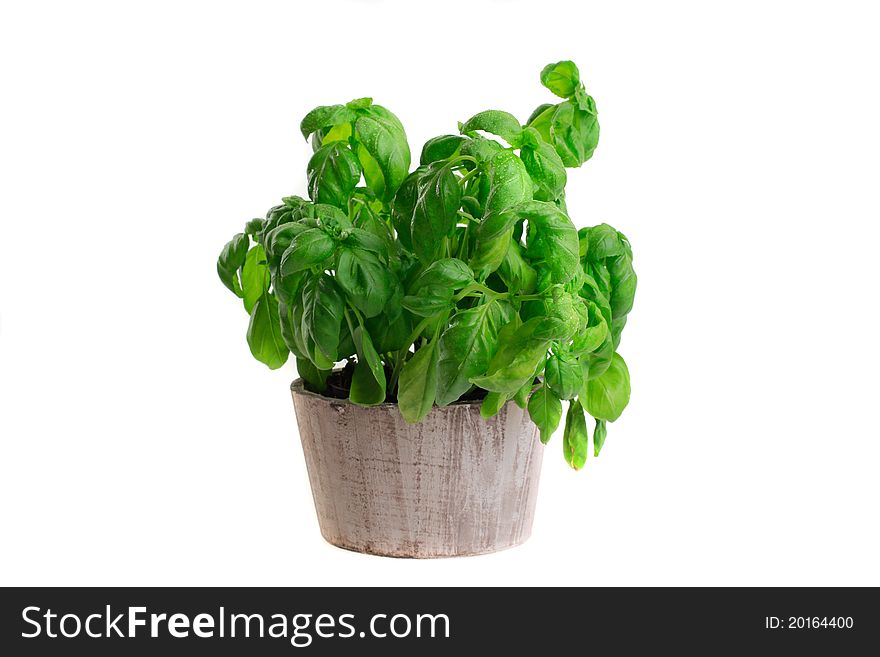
463 278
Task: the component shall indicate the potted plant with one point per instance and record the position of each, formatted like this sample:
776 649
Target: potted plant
465 306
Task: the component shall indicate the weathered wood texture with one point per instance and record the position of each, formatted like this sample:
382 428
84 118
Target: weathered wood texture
452 485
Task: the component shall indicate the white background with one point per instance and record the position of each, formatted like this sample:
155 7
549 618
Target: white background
143 445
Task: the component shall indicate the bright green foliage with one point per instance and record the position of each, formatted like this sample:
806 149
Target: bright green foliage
463 276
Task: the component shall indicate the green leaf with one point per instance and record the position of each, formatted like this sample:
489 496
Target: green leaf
324 117
450 273
254 277
441 148
366 241
368 380
573 130
575 439
315 378
436 212
521 398
467 346
307 249
366 281
333 173
322 314
264 333
562 78
607 395
418 383
492 403
516 360
232 259
496 122
563 375
373 175
493 241
404 205
517 274
277 241
382 135
544 165
509 182
599 434
545 409
552 242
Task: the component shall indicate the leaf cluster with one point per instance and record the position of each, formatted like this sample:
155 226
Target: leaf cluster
464 276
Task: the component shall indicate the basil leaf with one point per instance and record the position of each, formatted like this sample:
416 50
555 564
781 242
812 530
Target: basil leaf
516 360
552 241
264 333
517 274
599 435
277 241
326 116
607 395
509 182
562 78
563 375
315 378
492 403
232 259
418 383
436 212
404 205
307 249
322 314
496 122
449 273
254 277
545 409
493 241
382 136
333 173
368 380
575 439
366 281
467 346
544 166
440 148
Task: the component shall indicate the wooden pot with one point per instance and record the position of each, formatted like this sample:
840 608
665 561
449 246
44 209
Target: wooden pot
452 485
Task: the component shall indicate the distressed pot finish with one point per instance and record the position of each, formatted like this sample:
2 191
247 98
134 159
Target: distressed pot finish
452 485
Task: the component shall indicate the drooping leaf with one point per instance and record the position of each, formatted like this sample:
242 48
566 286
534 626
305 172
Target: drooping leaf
575 439
607 395
232 259
368 380
254 277
264 333
545 409
417 386
599 435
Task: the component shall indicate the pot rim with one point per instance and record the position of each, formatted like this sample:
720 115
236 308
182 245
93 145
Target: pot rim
297 386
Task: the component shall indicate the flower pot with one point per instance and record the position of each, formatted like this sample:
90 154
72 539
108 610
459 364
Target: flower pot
452 485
